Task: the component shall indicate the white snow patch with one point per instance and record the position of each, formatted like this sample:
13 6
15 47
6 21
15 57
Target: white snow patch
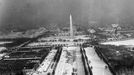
125 42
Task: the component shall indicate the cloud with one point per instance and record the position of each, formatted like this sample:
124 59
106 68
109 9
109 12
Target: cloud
26 14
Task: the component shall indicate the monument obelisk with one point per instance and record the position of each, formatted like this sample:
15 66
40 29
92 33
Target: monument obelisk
71 27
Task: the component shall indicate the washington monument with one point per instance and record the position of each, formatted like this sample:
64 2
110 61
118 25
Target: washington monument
71 27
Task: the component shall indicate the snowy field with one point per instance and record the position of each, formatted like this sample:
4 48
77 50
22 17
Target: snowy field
70 60
117 43
98 65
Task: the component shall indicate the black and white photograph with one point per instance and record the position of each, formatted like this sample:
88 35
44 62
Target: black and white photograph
66 37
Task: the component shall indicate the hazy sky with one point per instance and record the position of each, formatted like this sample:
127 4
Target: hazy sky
33 13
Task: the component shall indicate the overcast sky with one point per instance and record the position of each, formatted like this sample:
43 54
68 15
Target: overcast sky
33 13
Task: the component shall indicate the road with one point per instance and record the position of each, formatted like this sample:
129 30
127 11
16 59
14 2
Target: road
98 65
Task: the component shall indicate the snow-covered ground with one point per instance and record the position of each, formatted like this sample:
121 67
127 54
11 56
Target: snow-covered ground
5 42
45 65
53 43
98 65
1 55
70 59
60 40
124 42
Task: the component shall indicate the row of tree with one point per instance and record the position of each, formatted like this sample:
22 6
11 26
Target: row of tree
118 57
